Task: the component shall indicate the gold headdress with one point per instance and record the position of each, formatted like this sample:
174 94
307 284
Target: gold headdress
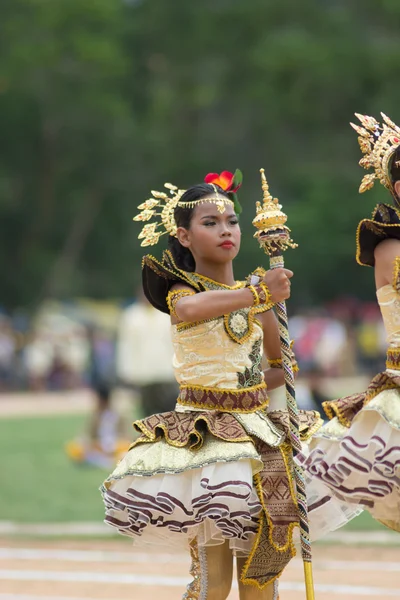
166 206
378 142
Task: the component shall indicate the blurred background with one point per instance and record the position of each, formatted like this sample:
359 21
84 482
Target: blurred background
102 101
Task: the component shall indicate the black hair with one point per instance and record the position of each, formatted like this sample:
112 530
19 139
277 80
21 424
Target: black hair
183 216
394 167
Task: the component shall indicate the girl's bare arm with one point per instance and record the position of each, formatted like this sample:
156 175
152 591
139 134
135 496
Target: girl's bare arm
221 302
385 255
274 378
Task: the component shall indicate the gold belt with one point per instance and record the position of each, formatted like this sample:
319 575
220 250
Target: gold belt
244 400
393 359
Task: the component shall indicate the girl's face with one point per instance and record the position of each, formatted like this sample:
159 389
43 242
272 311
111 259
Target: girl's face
212 236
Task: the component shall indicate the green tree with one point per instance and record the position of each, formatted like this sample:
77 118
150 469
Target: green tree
102 101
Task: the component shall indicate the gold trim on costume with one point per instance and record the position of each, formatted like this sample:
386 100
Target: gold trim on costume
393 359
174 296
396 275
183 325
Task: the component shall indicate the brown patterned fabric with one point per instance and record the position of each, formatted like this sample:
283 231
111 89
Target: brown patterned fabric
309 421
278 494
274 545
393 359
189 429
224 400
266 564
345 409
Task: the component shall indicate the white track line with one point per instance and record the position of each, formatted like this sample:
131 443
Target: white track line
107 556
27 597
95 528
91 556
156 581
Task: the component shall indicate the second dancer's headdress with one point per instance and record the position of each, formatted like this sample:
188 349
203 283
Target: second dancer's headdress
378 143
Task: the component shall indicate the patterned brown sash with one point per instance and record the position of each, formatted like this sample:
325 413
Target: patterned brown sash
244 400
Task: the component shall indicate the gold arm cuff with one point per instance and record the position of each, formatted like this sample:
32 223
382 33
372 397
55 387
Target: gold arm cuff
175 295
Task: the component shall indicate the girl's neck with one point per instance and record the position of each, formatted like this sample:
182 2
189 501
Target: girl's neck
221 273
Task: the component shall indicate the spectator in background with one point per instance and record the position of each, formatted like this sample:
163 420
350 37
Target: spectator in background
7 353
315 383
106 440
144 356
369 338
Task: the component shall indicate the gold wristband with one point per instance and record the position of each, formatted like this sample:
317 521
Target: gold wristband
263 293
275 363
256 297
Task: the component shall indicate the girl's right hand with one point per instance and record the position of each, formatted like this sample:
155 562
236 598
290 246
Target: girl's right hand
278 282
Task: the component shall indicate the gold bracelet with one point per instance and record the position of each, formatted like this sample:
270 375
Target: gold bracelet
275 363
256 297
263 292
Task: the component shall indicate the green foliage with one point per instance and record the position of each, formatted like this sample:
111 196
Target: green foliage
102 101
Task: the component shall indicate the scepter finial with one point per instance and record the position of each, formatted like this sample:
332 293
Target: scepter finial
272 233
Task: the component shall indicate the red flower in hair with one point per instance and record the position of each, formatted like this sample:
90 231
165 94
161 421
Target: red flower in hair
225 180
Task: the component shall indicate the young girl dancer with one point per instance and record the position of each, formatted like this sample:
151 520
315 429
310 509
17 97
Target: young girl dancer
356 455
213 475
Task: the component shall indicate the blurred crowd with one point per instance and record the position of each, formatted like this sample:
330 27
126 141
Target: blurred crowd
60 348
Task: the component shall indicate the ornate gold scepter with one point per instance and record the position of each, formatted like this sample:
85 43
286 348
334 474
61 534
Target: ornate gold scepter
274 238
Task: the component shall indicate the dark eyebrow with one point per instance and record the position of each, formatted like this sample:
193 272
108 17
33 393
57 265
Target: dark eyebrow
218 216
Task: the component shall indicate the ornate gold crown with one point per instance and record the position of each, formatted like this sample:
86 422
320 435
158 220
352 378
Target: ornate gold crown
378 142
272 233
166 206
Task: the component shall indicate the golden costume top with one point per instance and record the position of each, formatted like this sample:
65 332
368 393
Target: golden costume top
207 355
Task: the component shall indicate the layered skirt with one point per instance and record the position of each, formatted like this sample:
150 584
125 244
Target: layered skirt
213 476
356 455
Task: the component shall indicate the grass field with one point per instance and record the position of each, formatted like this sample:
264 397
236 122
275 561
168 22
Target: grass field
38 482
40 485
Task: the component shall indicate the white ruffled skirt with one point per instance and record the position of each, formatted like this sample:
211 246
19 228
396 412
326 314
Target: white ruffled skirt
213 502
359 464
166 495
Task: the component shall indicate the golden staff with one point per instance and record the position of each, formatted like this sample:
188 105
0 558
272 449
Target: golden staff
274 238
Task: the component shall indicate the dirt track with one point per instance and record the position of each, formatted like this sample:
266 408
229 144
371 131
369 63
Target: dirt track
113 570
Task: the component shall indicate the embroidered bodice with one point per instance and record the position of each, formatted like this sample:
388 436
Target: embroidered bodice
207 355
389 303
